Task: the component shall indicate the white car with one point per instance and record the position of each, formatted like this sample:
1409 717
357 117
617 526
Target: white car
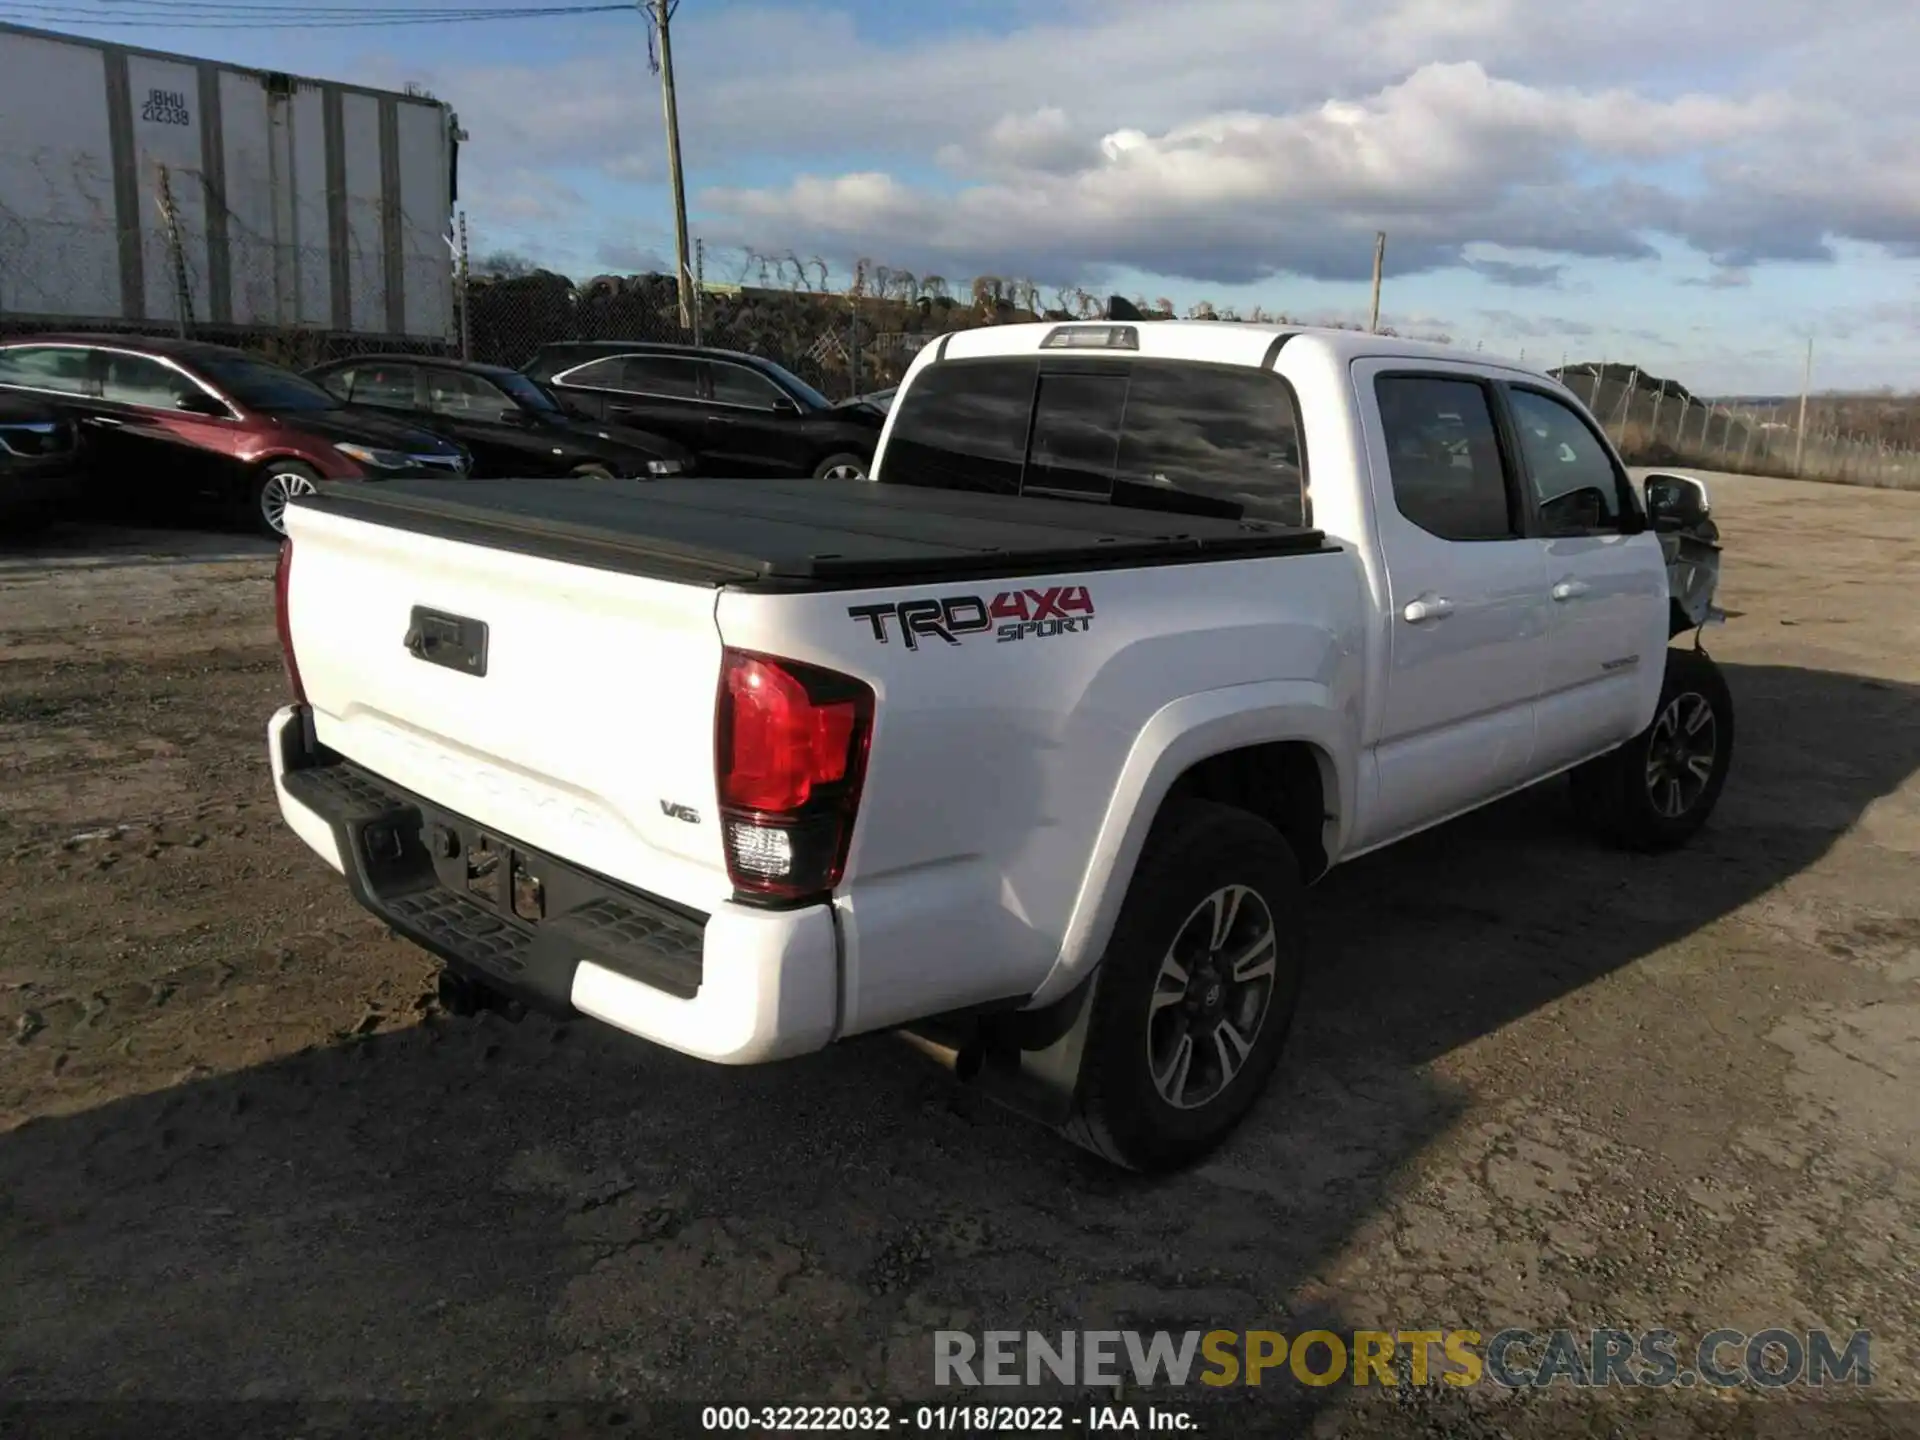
1033 743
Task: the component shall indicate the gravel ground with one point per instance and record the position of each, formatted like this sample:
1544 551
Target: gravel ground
1535 1083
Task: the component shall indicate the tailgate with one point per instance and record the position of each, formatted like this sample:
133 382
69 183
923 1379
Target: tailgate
586 732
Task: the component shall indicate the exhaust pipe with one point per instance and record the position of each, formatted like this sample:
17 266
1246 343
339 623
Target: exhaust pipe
964 1062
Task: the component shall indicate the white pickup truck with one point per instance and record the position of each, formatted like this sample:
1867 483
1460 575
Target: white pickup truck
1029 746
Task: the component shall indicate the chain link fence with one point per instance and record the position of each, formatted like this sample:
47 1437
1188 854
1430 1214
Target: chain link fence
845 335
846 339
303 305
1658 422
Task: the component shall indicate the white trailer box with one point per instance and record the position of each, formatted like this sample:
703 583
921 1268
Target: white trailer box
137 186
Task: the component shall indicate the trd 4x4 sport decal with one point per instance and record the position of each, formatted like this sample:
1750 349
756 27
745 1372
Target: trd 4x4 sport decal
1011 615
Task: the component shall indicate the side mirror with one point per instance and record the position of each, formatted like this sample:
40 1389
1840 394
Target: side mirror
201 403
784 406
1675 502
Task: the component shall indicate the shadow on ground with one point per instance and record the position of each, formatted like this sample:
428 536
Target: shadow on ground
466 1209
77 545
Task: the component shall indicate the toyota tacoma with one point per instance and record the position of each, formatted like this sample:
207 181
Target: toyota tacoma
1032 744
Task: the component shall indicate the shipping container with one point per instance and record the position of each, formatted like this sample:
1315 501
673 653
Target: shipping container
140 187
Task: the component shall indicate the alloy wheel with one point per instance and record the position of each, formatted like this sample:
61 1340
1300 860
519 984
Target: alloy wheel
1682 748
1211 997
280 488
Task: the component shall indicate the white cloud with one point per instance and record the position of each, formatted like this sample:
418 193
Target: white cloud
1447 157
1230 140
1043 140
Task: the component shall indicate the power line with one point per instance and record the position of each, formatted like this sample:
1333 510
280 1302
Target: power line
264 17
138 9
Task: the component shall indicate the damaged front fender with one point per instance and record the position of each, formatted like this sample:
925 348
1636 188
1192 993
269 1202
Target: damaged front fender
1681 514
1693 576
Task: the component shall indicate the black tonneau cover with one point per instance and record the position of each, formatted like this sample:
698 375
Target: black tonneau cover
800 534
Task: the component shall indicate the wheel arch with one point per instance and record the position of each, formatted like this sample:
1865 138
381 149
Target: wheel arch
1284 751
332 468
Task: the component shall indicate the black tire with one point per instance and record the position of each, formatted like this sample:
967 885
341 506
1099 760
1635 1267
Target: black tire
1649 795
1198 851
844 461
258 510
593 472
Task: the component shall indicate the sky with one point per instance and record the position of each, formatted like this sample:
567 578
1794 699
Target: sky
1699 189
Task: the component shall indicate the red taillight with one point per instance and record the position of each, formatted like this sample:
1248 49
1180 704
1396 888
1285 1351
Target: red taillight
790 752
282 582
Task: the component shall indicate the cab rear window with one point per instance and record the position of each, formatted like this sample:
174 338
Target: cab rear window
1151 434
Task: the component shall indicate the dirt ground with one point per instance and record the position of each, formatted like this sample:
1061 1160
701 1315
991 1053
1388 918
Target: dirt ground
1535 1083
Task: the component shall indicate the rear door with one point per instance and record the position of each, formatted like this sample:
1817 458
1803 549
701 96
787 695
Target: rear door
1606 580
754 428
664 394
1466 620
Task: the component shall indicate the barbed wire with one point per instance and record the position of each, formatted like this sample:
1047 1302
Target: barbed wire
846 333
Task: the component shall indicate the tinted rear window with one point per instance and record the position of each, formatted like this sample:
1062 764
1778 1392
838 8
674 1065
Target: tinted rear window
1077 423
1226 433
637 375
963 427
1156 434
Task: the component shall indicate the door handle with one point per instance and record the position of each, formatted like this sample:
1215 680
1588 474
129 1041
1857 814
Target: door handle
106 420
1427 607
1570 589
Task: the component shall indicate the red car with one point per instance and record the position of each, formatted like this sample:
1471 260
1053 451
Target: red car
168 421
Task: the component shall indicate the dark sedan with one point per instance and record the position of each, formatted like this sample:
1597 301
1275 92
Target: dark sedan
510 424
740 414
168 420
39 463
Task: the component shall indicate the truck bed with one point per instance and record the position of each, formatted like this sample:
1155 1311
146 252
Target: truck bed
801 534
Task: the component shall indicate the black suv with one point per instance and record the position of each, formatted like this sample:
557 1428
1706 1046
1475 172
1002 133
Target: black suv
740 414
511 425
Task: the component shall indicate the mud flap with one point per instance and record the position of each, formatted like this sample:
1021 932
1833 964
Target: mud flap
1025 1060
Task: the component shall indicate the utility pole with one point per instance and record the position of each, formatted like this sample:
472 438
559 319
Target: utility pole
1379 258
1800 433
661 13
